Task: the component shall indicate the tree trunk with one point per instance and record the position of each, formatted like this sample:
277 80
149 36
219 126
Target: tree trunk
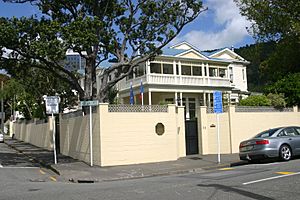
103 91
90 87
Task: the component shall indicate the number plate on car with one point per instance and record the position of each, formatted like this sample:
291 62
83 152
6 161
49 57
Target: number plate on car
247 148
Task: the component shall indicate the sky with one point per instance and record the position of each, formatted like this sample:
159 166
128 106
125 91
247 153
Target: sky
220 26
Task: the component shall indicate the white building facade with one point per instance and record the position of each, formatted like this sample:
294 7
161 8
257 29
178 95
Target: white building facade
185 76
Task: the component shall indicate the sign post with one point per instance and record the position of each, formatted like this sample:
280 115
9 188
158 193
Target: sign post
52 108
90 104
218 108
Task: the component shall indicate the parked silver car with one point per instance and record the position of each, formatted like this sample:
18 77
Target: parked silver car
283 142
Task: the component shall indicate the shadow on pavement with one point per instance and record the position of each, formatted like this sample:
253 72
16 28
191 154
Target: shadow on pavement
237 191
14 159
39 154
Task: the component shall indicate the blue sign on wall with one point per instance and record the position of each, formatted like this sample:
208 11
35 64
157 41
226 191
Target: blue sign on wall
218 107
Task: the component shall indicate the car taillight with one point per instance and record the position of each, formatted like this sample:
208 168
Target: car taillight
262 142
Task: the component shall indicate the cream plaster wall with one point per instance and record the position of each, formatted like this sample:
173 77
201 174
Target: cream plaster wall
238 126
37 134
130 138
74 138
247 125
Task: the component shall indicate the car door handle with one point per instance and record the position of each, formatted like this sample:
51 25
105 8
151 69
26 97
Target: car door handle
290 138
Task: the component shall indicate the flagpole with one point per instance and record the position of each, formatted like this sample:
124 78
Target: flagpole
142 92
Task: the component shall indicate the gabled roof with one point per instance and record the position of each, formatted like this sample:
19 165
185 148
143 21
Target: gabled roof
226 52
172 52
183 49
184 45
186 50
209 53
192 53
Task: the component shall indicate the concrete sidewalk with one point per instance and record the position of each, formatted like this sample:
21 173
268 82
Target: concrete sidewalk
73 170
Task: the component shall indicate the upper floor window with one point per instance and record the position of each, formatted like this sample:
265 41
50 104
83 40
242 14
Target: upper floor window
155 68
213 72
222 72
130 76
197 71
186 70
167 68
243 72
140 70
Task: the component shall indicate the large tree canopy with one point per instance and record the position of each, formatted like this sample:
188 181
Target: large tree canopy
126 32
272 19
279 21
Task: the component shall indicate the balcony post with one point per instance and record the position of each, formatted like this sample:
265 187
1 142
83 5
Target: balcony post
179 71
207 70
181 99
149 96
207 73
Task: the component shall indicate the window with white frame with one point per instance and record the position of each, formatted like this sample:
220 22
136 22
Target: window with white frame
155 68
167 68
222 72
140 70
213 72
186 70
243 72
197 71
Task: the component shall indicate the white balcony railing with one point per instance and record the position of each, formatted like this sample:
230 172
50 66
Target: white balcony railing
166 79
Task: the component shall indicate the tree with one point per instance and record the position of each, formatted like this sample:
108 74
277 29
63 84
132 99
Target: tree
289 86
257 54
125 32
272 20
24 91
275 21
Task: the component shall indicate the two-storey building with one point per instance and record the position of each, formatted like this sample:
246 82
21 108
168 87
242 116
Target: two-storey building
185 76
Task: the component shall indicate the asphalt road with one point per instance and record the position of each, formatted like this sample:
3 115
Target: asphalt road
270 180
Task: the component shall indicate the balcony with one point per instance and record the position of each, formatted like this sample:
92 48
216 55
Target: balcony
180 80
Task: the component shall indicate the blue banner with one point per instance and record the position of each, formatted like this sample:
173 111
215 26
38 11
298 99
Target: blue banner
218 106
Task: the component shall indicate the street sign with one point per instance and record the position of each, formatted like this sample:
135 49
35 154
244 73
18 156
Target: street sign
89 103
52 107
218 107
52 103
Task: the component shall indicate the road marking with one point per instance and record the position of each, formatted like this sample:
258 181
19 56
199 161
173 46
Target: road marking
53 178
224 169
285 173
42 172
271 178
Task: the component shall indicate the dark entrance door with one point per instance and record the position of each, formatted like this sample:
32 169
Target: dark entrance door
191 137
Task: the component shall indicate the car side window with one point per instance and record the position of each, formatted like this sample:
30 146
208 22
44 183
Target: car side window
297 130
290 132
281 134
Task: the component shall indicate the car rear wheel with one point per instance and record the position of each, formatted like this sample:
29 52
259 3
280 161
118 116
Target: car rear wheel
285 153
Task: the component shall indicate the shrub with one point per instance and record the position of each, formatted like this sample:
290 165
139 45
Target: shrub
258 100
277 100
